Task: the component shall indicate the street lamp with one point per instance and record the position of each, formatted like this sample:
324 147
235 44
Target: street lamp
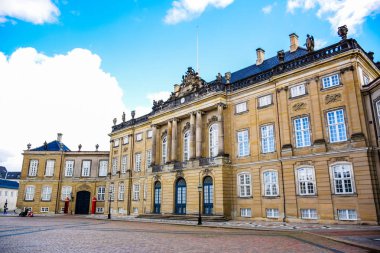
109 204
199 211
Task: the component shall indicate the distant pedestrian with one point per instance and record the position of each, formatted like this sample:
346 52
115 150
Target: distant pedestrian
5 207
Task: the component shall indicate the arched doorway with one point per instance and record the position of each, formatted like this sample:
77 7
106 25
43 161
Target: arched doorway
208 195
82 204
157 197
180 196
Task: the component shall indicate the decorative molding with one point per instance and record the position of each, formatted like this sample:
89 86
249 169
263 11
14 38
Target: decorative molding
156 178
212 119
332 98
186 127
125 149
179 173
223 105
83 187
164 133
350 68
299 106
115 152
206 172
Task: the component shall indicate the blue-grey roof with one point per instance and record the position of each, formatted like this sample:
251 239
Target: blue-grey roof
13 175
51 146
3 172
8 184
267 64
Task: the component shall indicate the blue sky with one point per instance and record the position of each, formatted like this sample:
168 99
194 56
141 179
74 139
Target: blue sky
141 48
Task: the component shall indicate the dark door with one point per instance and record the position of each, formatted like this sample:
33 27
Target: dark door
82 203
157 197
180 196
208 196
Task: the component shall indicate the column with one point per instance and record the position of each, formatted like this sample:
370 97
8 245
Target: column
174 140
192 136
154 144
221 106
169 142
198 135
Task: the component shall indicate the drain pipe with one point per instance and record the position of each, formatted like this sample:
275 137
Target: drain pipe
130 168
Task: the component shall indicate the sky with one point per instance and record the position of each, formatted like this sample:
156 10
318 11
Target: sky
72 66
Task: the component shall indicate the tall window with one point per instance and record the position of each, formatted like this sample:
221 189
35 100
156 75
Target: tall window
138 162
297 90
336 125
124 160
306 181
66 192
121 191
378 112
244 184
149 134
136 192
343 178
270 183
101 193
114 165
139 137
265 100
69 168
46 193
213 140
86 167
302 132
243 143
49 170
330 81
164 149
29 192
125 139
112 192
186 145
148 158
103 166
241 107
33 166
116 142
267 139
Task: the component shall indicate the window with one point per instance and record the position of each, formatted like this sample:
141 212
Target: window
149 134
116 142
244 183
213 140
69 168
136 192
139 137
124 160
114 165
272 213
297 90
343 178
265 100
125 139
347 214
86 166
241 107
33 166
336 126
101 193
270 183
112 192
245 212
44 209
164 149
302 132
138 162
135 210
120 210
49 169
148 158
121 191
243 143
186 145
267 139
378 112
330 81
66 193
103 166
306 181
99 210
29 192
366 79
309 214
46 193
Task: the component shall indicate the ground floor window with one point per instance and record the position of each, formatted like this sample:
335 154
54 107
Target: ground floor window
245 212
44 209
135 210
347 214
272 213
99 210
309 213
121 210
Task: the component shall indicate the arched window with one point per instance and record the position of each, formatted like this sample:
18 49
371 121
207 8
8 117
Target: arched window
164 149
213 140
343 178
270 183
306 181
186 146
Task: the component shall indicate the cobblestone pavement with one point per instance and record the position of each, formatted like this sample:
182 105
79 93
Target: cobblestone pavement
78 234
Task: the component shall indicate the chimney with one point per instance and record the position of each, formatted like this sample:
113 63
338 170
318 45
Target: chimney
59 137
293 42
260 56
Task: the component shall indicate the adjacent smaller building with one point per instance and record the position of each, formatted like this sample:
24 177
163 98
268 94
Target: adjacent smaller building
8 194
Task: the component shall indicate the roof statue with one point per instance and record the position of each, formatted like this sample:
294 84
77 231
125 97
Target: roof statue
309 43
342 31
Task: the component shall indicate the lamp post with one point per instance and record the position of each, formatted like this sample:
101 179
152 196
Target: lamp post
199 211
109 204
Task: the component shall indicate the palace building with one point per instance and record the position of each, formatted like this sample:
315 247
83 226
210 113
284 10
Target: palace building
290 138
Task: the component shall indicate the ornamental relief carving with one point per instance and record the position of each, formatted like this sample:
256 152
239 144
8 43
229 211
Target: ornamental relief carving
115 152
212 119
156 178
299 106
332 98
186 127
84 187
125 149
206 172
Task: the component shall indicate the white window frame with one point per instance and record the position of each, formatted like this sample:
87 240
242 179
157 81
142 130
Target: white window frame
335 122
270 186
267 138
138 162
101 193
112 191
33 168
126 139
46 193
136 192
186 146
86 168
265 100
378 112
243 143
139 137
246 212
49 168
343 167
244 183
330 81
100 210
305 175
241 107
66 192
213 140
272 213
44 209
124 163
103 168
309 214
121 191
297 90
69 168
148 158
164 149
302 131
114 165
116 143
347 214
149 134
29 192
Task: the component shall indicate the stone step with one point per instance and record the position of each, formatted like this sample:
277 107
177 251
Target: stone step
187 217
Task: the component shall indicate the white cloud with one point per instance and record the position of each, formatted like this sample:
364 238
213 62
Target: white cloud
185 10
268 9
319 43
34 11
339 12
42 95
